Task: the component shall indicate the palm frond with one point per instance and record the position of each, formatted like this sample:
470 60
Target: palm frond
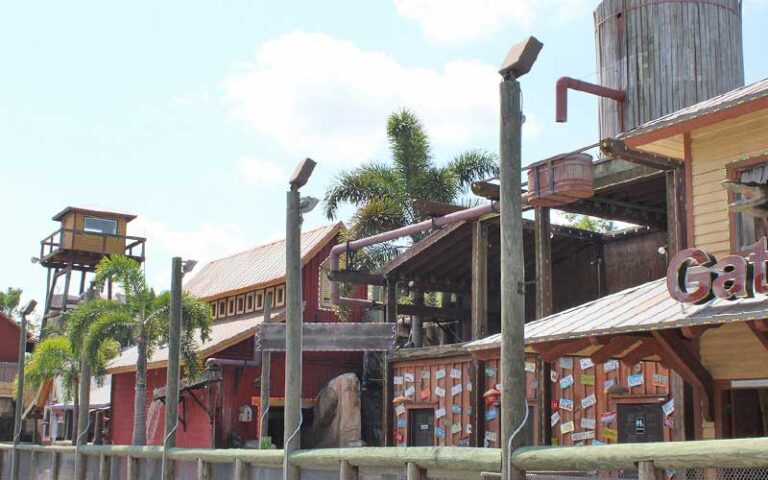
378 215
409 144
113 326
359 186
78 321
473 165
437 184
52 357
126 272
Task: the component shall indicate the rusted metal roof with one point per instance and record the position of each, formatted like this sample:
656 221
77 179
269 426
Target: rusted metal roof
223 335
637 309
259 266
727 100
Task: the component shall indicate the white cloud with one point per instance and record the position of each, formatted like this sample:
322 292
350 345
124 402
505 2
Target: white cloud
258 172
460 21
204 242
327 98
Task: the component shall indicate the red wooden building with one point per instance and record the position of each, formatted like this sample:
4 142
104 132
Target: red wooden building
9 357
236 286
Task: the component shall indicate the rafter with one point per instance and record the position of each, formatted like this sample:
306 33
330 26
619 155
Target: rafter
647 348
618 149
676 353
615 346
551 351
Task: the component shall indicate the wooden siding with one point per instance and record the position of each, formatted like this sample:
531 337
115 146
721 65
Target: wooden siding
713 148
87 242
488 375
633 261
733 352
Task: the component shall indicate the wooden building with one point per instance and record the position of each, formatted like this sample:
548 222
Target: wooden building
9 358
221 409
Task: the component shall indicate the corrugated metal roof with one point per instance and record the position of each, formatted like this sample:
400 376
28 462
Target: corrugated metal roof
223 335
730 99
641 308
261 265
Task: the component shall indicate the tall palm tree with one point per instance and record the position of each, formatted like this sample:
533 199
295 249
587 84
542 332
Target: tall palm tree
143 320
384 194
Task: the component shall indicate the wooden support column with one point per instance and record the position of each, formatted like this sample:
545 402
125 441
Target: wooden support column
203 470
415 472
417 324
647 471
676 241
391 315
347 471
242 470
54 466
479 280
132 468
105 464
544 308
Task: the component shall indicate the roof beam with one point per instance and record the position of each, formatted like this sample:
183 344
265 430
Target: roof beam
551 351
647 348
618 149
610 209
615 346
761 335
676 353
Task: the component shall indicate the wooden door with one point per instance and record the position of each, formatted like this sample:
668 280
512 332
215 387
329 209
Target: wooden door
640 423
421 431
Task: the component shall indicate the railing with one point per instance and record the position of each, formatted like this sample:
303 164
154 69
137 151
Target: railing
55 242
745 459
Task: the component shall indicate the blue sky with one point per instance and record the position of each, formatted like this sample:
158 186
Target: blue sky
192 114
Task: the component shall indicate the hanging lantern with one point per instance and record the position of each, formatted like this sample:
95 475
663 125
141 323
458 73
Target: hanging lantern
492 397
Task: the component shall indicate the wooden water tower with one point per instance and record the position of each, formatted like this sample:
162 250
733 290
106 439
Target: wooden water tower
664 56
83 239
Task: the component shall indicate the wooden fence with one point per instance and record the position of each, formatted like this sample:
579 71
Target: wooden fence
647 461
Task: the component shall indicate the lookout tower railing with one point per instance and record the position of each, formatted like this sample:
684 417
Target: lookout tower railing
67 245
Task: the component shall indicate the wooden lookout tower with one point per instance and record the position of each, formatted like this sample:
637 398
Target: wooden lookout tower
83 239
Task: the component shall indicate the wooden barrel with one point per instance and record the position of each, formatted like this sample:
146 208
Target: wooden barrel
559 181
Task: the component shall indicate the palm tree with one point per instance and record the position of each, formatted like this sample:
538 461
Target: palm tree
142 320
384 194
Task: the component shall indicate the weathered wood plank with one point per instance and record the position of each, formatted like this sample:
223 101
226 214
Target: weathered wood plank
330 336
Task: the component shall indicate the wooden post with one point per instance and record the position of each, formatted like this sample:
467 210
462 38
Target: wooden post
544 308
676 241
203 470
105 463
173 370
391 315
386 406
19 406
415 472
266 364
242 470
417 327
442 335
132 468
513 401
347 471
33 455
647 471
479 280
54 474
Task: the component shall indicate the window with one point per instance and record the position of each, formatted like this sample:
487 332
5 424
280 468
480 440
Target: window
746 229
222 308
103 226
324 298
249 302
231 306
279 296
260 300
240 304
213 309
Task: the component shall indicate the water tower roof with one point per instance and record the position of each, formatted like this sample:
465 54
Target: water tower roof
92 211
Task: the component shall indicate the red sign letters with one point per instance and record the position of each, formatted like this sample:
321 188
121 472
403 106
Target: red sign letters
695 276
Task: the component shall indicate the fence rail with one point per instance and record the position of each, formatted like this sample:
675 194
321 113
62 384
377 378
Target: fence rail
745 459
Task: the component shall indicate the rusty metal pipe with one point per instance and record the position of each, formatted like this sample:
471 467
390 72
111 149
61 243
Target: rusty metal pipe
561 94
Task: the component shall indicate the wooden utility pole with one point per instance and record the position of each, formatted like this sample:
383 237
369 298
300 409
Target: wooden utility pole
83 418
173 371
479 280
417 321
19 407
543 244
513 402
266 360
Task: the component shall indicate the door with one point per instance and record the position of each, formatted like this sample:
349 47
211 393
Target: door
640 423
421 427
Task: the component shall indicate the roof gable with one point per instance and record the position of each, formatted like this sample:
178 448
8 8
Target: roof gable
260 266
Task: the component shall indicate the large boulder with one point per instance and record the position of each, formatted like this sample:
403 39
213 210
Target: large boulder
336 416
